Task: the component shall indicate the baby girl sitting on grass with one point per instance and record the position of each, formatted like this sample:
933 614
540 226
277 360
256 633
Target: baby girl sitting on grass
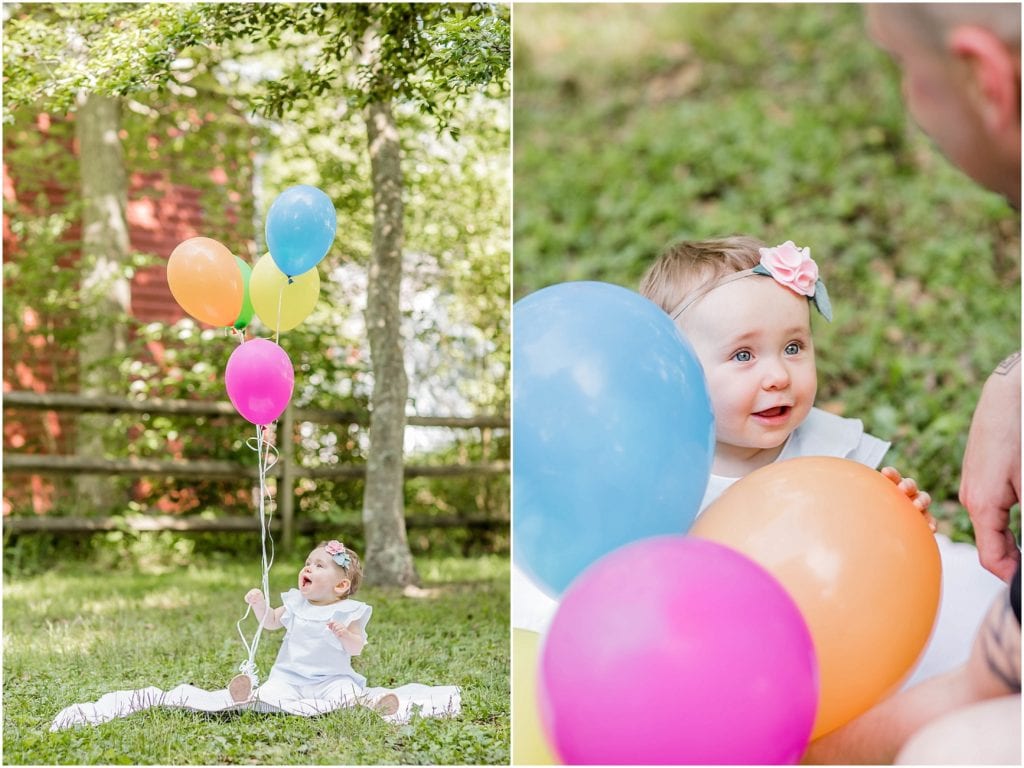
325 627
313 675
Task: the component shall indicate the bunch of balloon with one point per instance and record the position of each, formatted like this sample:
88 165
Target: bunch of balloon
218 288
858 559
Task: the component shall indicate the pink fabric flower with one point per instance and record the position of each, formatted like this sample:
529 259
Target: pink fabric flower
334 547
791 266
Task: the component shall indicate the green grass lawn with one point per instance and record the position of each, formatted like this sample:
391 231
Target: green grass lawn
76 632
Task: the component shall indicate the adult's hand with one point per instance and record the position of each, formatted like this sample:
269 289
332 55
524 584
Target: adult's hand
990 483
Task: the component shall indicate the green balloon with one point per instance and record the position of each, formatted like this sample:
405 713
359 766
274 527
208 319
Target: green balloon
246 313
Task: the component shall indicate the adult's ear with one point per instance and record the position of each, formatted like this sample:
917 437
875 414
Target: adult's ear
995 76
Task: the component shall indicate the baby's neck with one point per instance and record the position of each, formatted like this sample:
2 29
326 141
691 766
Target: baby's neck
327 602
736 461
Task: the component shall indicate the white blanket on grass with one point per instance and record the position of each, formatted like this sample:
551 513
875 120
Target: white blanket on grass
413 699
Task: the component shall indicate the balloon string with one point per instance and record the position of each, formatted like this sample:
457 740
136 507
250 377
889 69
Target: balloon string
266 455
280 302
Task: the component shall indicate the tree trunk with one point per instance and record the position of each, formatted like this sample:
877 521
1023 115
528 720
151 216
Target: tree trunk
105 293
388 559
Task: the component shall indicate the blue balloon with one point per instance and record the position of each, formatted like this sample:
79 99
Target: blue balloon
612 428
301 224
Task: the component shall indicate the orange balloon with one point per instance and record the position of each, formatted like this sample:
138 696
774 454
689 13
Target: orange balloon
206 281
858 559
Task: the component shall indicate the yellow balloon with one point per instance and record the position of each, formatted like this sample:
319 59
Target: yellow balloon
529 745
281 305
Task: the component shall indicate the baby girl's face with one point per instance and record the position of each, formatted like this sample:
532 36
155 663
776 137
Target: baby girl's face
321 580
753 339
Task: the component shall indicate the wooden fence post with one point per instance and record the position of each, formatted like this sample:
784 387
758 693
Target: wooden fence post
286 480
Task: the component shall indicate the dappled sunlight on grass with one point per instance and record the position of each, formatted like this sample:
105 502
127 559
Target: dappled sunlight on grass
167 600
455 569
74 636
28 604
112 604
73 643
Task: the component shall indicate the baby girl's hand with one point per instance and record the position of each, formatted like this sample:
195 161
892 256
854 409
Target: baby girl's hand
339 630
254 598
351 638
922 500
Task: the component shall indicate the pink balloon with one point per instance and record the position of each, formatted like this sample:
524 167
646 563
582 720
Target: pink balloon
671 651
259 379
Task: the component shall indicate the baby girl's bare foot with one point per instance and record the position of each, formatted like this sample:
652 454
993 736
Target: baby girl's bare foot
240 688
386 704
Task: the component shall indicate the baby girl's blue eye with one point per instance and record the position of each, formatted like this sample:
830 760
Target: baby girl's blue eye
793 348
743 356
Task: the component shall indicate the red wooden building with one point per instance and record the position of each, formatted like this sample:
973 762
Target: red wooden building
165 206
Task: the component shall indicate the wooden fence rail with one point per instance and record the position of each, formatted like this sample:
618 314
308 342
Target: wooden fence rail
286 470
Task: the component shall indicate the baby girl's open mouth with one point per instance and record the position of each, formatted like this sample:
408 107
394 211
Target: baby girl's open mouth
306 581
778 412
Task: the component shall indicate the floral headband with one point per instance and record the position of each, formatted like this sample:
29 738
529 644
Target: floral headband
338 553
790 266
